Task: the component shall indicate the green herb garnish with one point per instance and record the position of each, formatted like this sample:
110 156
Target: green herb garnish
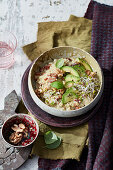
57 84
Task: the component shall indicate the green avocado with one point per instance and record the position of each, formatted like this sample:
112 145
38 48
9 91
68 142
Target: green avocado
57 84
71 77
60 63
71 89
69 84
71 70
68 96
85 63
80 69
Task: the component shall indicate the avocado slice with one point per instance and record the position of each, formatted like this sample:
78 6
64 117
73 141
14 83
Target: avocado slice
71 77
60 63
68 96
71 89
85 63
69 84
57 84
80 69
70 70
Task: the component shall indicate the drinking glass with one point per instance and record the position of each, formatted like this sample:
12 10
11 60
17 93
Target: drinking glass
8 44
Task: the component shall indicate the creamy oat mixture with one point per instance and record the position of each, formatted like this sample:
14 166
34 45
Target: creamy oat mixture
67 84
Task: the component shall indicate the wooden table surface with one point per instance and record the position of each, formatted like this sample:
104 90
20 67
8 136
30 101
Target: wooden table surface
21 18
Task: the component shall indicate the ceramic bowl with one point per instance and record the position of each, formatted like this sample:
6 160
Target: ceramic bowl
63 52
28 121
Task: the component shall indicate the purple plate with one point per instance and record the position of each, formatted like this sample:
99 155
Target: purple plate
48 118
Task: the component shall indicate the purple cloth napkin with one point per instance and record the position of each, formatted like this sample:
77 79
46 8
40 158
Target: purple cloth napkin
99 155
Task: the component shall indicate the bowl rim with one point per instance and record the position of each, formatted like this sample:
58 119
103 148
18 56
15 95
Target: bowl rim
14 115
63 111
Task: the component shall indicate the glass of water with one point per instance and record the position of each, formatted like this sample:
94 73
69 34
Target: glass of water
8 44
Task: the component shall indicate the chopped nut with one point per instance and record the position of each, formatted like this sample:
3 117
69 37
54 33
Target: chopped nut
77 107
18 134
12 136
17 140
15 137
59 71
20 131
88 72
14 128
22 126
92 74
76 103
61 91
52 79
15 125
17 129
53 74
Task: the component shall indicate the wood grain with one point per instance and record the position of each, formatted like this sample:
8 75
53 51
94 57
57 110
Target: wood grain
11 157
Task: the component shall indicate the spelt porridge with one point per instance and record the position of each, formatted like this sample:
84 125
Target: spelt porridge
67 84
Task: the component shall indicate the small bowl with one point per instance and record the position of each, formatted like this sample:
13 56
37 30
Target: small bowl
28 121
64 52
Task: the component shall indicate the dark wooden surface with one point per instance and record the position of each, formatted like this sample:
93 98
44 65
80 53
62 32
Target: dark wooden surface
10 157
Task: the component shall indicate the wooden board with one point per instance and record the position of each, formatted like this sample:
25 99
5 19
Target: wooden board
11 158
